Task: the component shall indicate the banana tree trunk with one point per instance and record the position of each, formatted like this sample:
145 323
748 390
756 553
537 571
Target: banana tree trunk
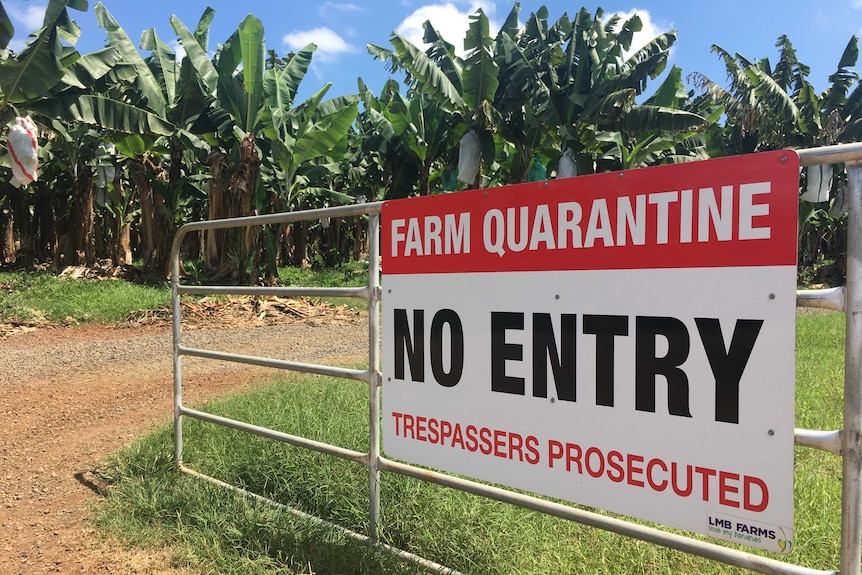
424 182
232 192
148 223
216 191
359 233
122 247
7 227
80 247
175 174
299 239
23 224
44 220
160 262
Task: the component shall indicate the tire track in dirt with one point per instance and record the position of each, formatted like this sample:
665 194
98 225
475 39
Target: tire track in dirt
71 396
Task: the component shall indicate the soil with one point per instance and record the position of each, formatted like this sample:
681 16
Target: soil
70 396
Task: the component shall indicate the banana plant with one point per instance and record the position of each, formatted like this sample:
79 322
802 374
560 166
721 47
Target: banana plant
412 138
463 86
308 143
28 80
596 82
525 56
660 130
249 115
232 91
120 92
28 76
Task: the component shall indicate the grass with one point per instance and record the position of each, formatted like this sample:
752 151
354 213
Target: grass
40 296
351 274
150 505
44 297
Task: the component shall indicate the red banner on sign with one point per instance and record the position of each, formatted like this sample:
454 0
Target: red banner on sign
729 212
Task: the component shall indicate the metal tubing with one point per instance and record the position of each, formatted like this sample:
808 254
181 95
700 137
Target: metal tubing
830 154
829 441
374 381
356 374
851 449
176 317
295 440
359 292
649 534
831 298
848 442
359 537
280 218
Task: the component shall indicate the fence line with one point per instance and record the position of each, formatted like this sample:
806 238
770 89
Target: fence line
846 442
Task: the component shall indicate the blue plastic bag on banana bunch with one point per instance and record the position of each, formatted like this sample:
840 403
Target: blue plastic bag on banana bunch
567 168
449 180
23 151
469 158
538 172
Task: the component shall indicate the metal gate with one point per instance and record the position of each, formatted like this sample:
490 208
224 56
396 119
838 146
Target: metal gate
846 443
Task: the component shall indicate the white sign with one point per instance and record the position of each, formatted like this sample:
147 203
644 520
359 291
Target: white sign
624 341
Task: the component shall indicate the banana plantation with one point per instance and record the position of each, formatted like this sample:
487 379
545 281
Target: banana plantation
134 141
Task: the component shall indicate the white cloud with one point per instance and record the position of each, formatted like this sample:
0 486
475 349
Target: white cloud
179 51
30 16
451 20
328 8
329 44
648 33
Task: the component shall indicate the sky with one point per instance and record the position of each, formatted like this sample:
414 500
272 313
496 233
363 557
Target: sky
819 31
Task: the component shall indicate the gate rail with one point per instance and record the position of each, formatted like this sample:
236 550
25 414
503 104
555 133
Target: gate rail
846 442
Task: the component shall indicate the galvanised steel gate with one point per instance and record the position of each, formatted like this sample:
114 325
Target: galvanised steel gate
846 443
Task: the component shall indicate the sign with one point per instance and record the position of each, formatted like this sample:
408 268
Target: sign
622 340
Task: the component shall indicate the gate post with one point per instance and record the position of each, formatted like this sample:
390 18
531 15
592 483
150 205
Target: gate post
176 342
374 376
851 447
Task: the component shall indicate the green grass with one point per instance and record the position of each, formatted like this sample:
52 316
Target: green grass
42 296
149 504
39 296
351 274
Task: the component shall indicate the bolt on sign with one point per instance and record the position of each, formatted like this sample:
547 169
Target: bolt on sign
621 340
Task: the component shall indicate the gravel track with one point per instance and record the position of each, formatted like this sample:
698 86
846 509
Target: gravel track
71 396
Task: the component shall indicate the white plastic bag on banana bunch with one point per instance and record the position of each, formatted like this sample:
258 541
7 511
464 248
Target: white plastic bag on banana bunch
23 151
567 168
819 180
105 172
469 158
841 203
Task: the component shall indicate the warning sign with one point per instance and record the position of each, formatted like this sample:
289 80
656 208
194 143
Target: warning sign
622 340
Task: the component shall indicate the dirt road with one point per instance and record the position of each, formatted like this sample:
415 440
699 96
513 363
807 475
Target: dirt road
71 396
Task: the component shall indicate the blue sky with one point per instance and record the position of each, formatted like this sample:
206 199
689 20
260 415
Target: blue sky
342 28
